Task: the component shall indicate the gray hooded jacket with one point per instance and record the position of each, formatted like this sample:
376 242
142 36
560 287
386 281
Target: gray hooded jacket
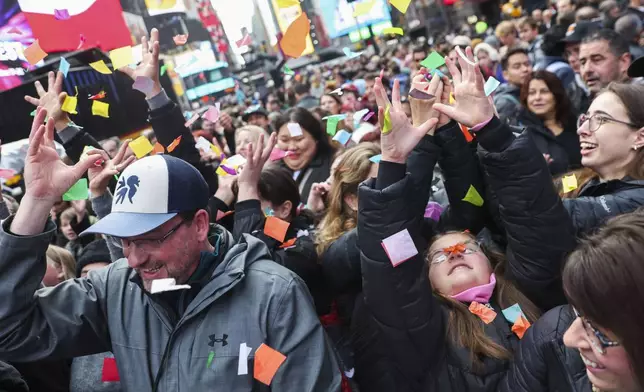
249 299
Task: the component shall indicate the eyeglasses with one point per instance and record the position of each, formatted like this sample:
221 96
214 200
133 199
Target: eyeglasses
466 248
597 338
146 243
597 120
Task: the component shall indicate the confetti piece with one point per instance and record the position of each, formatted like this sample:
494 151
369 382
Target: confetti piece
82 42
337 91
101 109
70 104
110 371
168 284
451 98
203 144
401 5
287 71
100 67
221 214
293 41
376 158
287 3
242 366
399 247
180 39
520 326
267 362
289 244
164 68
363 8
78 191
143 84
490 85
64 66
417 94
569 183
433 211
342 137
62 14
512 313
357 116
174 144
386 126
332 125
121 57
211 356
33 114
294 129
7 173
350 54
100 95
368 116
277 154
433 61
192 120
245 41
473 197
393 31
34 53
269 211
141 146
224 170
276 228
486 314
437 71
15 31
466 132
158 149
464 57
212 114
236 161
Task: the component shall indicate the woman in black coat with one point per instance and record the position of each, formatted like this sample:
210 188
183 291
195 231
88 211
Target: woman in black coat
310 153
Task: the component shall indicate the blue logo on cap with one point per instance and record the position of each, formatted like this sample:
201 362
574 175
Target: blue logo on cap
130 189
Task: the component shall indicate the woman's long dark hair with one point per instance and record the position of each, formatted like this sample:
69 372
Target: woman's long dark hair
308 123
604 280
563 106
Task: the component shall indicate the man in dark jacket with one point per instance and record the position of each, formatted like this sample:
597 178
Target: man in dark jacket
304 98
10 380
516 69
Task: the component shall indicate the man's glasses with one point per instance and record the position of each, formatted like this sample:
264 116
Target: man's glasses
597 120
597 338
145 243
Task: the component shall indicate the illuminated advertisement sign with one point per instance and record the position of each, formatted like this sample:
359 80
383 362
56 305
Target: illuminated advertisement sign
159 7
15 35
338 16
285 16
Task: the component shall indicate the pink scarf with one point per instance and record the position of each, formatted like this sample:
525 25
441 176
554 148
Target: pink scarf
481 294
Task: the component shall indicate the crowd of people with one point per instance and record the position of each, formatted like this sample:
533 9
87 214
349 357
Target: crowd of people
379 225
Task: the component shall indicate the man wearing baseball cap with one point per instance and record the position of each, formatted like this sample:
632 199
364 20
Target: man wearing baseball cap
187 309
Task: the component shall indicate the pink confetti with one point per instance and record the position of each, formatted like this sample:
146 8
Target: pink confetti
192 120
433 211
278 154
212 114
246 41
15 30
368 116
7 173
143 84
82 41
61 14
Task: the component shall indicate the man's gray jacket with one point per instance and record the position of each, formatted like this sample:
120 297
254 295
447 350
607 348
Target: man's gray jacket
249 299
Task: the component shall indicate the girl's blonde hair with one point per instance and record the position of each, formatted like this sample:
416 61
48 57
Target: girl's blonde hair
353 168
64 259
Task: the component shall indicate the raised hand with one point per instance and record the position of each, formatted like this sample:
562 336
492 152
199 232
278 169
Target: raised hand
255 161
422 109
149 66
46 176
51 99
100 174
317 196
472 107
398 143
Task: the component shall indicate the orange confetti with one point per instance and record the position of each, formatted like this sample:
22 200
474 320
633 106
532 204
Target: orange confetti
293 42
158 149
466 133
288 243
520 326
221 214
455 249
486 314
34 53
276 228
174 144
267 362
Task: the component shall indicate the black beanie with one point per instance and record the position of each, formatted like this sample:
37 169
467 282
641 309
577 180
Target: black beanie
94 252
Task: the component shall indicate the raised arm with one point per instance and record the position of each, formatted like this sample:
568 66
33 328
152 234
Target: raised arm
61 322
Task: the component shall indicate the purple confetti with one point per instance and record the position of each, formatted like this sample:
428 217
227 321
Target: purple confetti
368 116
228 170
420 94
61 14
433 211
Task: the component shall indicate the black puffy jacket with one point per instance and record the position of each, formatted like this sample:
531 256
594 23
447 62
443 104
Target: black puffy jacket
543 363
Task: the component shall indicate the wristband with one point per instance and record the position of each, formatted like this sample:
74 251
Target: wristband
478 126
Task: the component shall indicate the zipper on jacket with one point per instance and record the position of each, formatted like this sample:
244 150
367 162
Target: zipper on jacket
164 359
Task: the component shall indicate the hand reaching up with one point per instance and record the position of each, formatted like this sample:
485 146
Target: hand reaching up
398 143
255 161
100 175
472 107
149 66
51 99
422 109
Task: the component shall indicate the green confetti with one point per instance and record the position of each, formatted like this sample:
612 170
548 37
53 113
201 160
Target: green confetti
211 356
287 71
332 125
33 114
473 197
78 191
163 69
433 61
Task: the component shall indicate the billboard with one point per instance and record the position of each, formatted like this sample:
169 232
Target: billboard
338 16
15 35
160 7
285 16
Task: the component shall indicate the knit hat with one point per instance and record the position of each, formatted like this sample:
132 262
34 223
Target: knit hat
94 252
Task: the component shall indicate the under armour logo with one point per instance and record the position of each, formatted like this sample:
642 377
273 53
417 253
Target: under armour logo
213 340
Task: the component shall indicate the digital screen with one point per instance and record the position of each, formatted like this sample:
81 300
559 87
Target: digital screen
338 16
15 35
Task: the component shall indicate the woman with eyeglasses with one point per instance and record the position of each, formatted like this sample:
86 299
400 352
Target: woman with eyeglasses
611 136
451 313
593 344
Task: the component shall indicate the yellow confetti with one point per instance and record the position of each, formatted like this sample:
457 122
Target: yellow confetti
121 57
451 98
401 5
363 8
569 183
393 30
70 105
101 67
287 3
141 146
101 109
386 126
473 197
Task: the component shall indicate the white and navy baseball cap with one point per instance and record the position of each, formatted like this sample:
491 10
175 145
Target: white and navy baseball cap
150 192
